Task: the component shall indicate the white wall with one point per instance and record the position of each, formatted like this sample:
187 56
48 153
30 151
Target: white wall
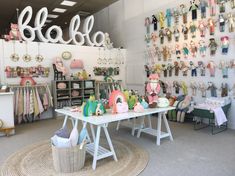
124 20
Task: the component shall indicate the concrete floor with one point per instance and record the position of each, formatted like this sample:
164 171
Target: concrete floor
192 153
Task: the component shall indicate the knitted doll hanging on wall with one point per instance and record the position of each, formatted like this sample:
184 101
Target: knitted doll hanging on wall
168 17
177 86
232 4
224 68
161 35
176 33
203 88
184 13
203 5
166 53
213 46
202 28
193 69
158 53
212 88
176 14
221 23
212 67
224 90
193 48
154 38
202 68
164 69
177 51
154 22
170 68
211 25
193 8
224 44
202 48
177 68
193 86
221 4
184 68
231 22
193 29
184 88
161 18
185 50
185 31
212 6
147 35
168 34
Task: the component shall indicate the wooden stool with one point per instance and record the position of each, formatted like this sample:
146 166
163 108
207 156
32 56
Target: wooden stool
7 130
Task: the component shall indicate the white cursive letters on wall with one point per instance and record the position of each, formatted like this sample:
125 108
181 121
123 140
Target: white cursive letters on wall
76 37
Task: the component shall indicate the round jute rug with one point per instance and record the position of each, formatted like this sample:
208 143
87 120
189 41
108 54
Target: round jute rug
36 160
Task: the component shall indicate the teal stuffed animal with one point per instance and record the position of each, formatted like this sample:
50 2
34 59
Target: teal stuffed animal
100 110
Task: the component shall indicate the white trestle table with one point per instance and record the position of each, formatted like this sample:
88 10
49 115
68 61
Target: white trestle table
98 152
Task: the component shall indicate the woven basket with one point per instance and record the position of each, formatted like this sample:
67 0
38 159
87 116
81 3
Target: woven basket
68 160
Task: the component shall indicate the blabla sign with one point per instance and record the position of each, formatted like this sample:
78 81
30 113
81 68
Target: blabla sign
76 37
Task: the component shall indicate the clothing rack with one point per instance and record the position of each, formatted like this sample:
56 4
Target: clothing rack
30 101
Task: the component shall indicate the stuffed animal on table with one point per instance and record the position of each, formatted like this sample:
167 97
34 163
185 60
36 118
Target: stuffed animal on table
212 6
213 46
161 18
231 22
185 50
184 13
168 34
184 68
161 35
184 88
176 15
222 22
211 25
177 87
193 48
154 22
193 69
232 4
202 68
194 87
100 110
193 8
185 31
202 48
14 33
132 99
153 88
118 102
202 28
224 90
138 108
164 69
212 67
170 68
224 44
168 17
212 88
203 88
177 51
224 68
144 103
147 25
221 4
203 5
177 68
182 108
193 29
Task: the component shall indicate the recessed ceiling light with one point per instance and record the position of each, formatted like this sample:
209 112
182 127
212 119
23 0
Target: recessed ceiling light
52 16
68 3
48 21
59 10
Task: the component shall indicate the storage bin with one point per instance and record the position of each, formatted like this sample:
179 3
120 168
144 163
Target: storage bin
68 160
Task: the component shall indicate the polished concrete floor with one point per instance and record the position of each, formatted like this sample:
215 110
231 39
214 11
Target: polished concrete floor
192 153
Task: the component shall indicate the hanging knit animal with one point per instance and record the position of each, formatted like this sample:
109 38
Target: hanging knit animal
161 35
231 22
202 26
168 34
177 86
185 50
212 88
193 48
154 22
202 48
177 51
184 13
176 15
212 67
203 88
212 6
177 68
211 26
221 4
193 69
161 18
194 87
222 22
224 44
224 68
176 33
202 68
213 46
193 8
193 29
203 5
168 17
185 31
224 90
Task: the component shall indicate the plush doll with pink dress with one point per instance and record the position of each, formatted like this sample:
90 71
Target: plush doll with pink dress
60 66
153 88
14 33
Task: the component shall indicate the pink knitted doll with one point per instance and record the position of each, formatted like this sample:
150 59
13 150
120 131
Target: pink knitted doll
60 66
212 6
153 88
211 66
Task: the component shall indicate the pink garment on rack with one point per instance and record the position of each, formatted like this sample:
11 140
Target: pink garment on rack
31 103
40 106
27 102
45 101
